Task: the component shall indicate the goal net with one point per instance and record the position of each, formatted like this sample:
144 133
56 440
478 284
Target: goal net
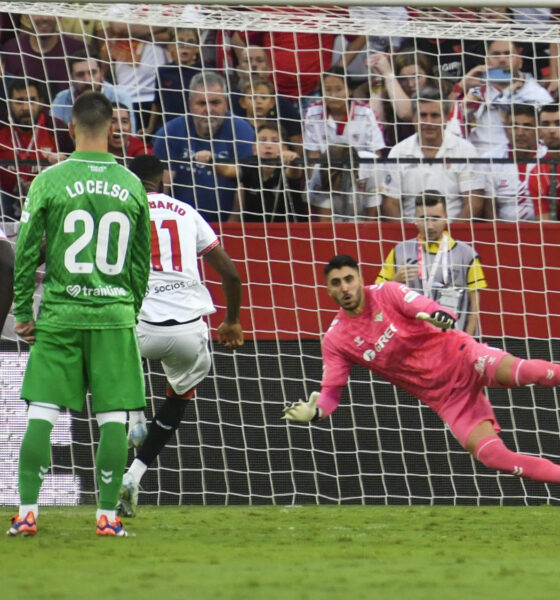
351 189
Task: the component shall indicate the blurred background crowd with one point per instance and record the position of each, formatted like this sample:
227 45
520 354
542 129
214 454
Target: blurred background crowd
288 126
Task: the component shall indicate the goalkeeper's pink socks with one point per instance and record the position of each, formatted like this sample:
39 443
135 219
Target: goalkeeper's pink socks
492 452
536 371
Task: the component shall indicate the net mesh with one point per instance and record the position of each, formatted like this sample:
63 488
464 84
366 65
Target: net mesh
381 445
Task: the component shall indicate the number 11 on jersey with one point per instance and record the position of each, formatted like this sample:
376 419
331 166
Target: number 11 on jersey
166 245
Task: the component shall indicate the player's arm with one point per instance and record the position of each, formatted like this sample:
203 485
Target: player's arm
321 404
140 253
413 305
229 332
28 251
7 279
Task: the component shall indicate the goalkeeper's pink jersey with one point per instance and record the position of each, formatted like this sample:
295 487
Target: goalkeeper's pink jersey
388 339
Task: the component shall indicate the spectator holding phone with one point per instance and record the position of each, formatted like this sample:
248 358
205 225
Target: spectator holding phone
490 89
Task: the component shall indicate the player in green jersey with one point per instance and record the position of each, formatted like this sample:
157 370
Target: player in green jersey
95 217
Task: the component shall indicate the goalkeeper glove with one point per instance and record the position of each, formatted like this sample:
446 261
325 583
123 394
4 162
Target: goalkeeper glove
304 411
439 318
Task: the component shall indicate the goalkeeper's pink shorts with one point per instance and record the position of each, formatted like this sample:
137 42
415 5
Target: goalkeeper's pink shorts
467 406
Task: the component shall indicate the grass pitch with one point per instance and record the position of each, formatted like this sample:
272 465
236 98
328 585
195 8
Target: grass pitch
273 553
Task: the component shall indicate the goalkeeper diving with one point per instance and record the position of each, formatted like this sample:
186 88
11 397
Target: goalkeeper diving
409 340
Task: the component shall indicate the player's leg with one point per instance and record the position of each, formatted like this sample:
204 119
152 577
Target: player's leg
515 372
117 385
487 447
54 358
34 463
110 462
186 363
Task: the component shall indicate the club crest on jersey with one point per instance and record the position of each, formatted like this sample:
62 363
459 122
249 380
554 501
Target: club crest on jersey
377 317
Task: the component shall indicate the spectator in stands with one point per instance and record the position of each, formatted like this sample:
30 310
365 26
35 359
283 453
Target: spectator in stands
493 88
89 31
549 133
461 184
391 101
253 64
522 198
135 57
31 140
270 189
174 78
41 54
208 126
121 143
339 120
258 100
86 75
358 69
298 58
341 189
436 265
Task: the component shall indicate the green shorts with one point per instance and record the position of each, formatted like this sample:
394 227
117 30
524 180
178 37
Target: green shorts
64 364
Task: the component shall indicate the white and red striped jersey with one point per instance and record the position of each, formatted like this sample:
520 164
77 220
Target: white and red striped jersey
514 188
361 131
179 236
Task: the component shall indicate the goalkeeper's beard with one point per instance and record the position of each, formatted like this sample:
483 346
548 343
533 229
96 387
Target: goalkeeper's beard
350 302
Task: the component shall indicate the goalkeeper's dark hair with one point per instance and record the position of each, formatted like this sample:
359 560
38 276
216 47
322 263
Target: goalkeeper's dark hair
92 111
148 168
339 261
431 198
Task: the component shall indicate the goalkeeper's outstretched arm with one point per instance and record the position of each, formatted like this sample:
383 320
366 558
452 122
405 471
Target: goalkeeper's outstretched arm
320 405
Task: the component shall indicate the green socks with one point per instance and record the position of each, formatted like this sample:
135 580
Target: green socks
34 459
112 454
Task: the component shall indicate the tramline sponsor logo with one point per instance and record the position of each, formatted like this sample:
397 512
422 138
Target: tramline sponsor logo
107 290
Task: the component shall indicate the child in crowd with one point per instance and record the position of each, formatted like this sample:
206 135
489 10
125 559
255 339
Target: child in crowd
258 101
173 79
270 182
341 189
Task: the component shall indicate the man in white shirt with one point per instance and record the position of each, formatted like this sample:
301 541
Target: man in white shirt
337 120
462 184
171 325
492 89
516 188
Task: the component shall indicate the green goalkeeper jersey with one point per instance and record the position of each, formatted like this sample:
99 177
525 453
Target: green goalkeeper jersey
95 217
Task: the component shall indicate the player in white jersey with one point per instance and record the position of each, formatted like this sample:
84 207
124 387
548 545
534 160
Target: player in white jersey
171 327
6 277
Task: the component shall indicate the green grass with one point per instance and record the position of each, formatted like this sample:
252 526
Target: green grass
307 553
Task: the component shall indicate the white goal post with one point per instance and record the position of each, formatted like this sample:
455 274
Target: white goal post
381 446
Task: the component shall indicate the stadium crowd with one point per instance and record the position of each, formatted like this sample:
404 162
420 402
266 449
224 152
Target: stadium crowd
284 126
